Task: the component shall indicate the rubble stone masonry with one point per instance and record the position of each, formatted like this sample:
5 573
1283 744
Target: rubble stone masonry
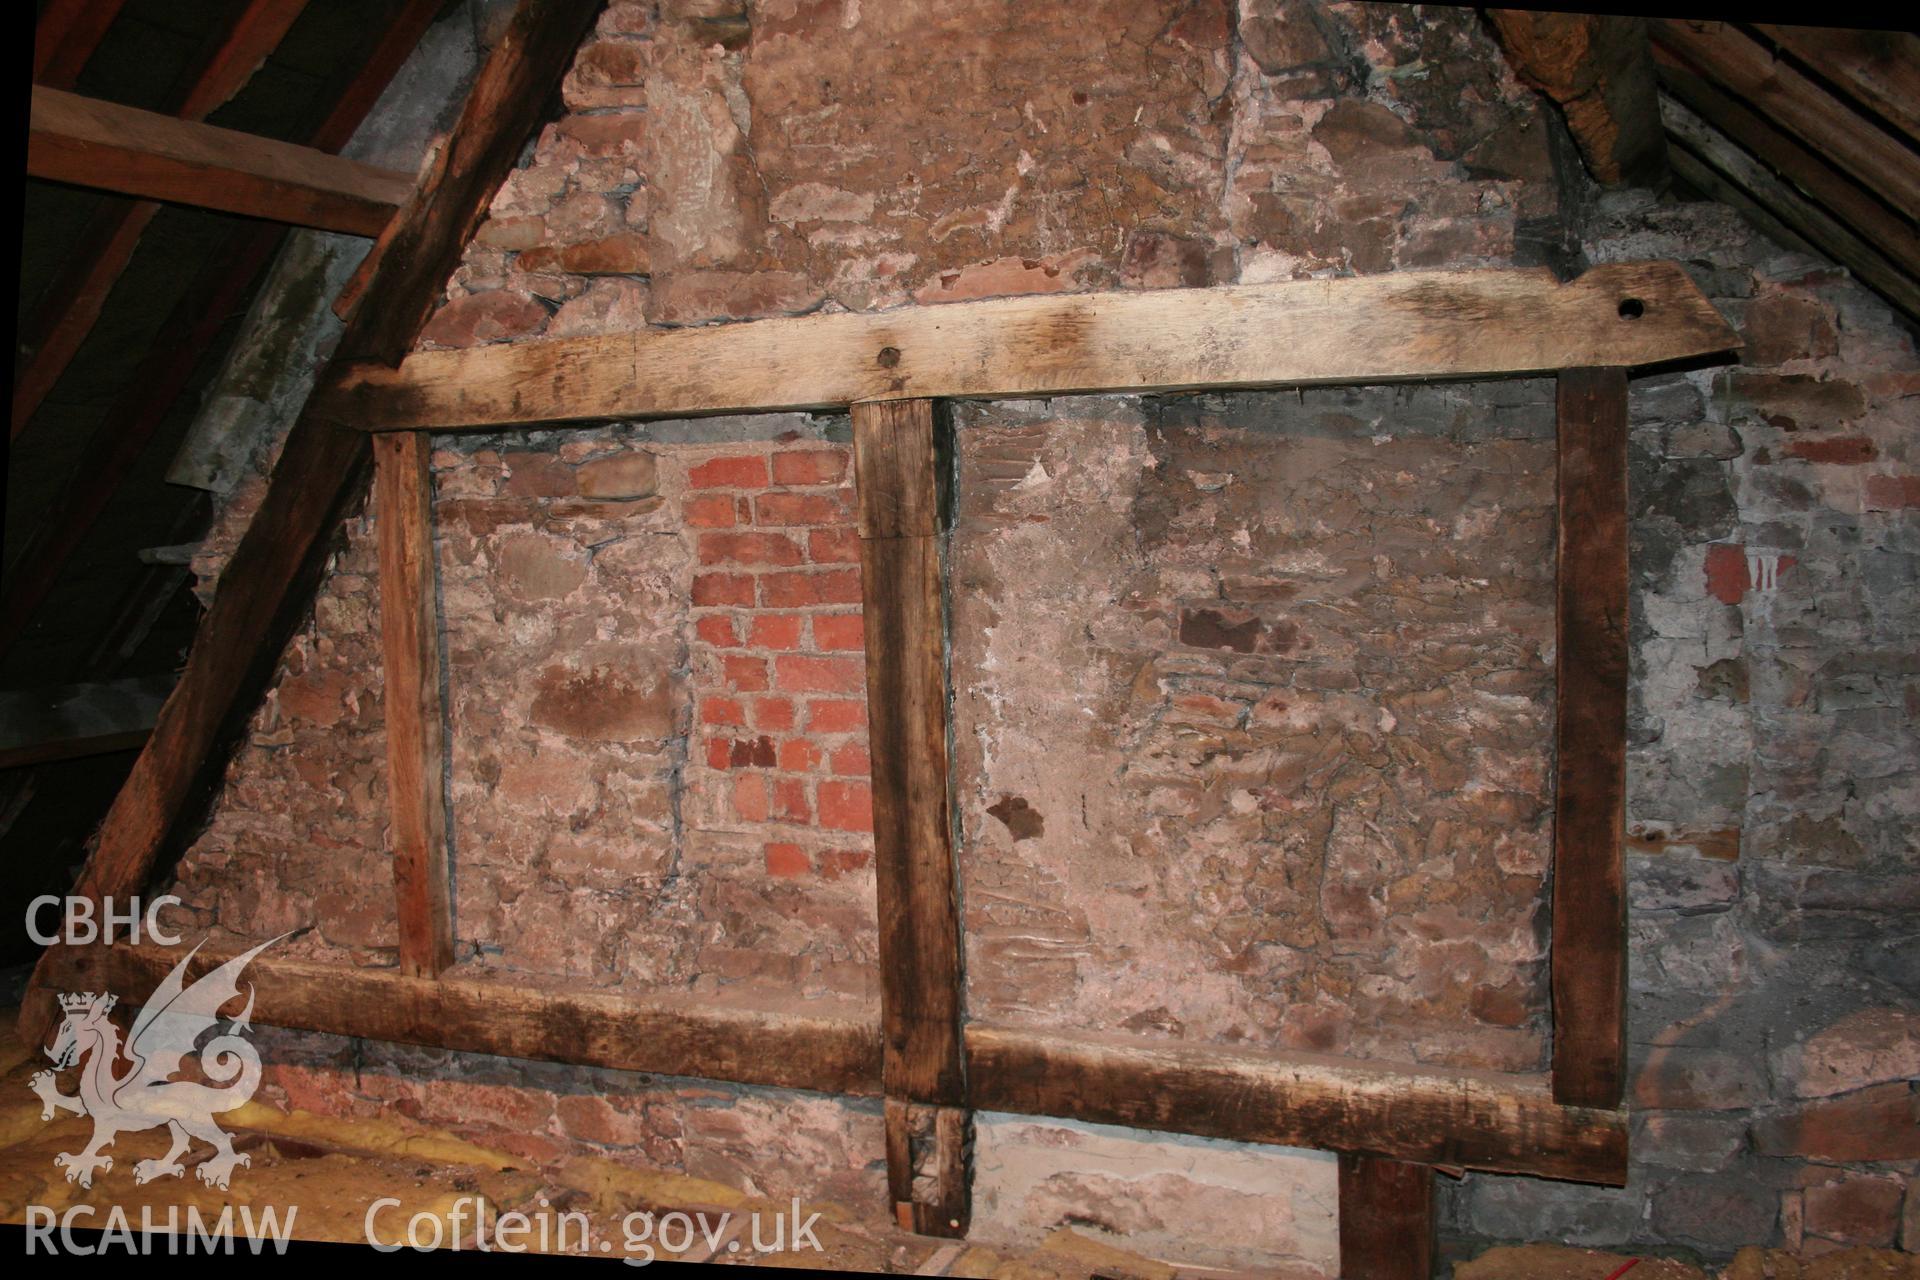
1252 692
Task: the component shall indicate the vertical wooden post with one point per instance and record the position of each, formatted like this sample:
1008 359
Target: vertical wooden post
1386 1219
1590 757
902 536
416 741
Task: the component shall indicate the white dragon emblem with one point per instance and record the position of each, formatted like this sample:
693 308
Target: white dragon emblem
146 1095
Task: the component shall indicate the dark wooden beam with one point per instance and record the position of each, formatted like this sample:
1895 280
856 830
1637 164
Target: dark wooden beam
1588 950
1384 328
267 587
1596 68
66 313
1879 69
1386 1219
1468 1119
1892 237
902 541
65 35
416 720
97 144
1741 66
67 721
832 1050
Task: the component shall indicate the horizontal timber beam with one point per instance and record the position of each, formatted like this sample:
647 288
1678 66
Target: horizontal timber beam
97 144
1475 1120
1385 328
521 1018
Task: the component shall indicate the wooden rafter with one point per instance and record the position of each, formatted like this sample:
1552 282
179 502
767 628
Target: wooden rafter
65 36
218 290
1879 69
97 144
1719 168
182 342
321 474
1597 69
1740 65
1384 328
72 304
1894 237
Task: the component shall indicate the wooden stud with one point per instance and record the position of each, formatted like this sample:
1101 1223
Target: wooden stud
113 148
416 720
1589 955
269 584
1382 328
929 1129
1386 1219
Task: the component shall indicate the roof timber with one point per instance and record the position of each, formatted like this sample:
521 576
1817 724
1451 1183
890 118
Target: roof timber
321 473
1398 327
90 143
62 320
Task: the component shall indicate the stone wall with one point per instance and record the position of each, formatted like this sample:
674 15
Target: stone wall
1297 647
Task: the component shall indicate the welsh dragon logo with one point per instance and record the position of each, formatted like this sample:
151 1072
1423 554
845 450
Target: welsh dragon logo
146 1095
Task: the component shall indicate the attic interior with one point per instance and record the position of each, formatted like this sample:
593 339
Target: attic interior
1133 638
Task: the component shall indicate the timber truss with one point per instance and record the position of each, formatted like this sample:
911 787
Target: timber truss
930 1064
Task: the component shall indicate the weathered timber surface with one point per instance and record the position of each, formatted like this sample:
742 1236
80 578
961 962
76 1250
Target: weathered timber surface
1382 328
268 585
1472 1120
1460 1119
140 153
835 1052
1590 729
1386 1219
1596 67
416 733
897 475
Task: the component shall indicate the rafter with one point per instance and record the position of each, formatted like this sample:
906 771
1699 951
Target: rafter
181 343
268 585
65 36
68 310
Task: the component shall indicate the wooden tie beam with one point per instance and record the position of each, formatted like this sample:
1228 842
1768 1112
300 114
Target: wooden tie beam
931 1068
